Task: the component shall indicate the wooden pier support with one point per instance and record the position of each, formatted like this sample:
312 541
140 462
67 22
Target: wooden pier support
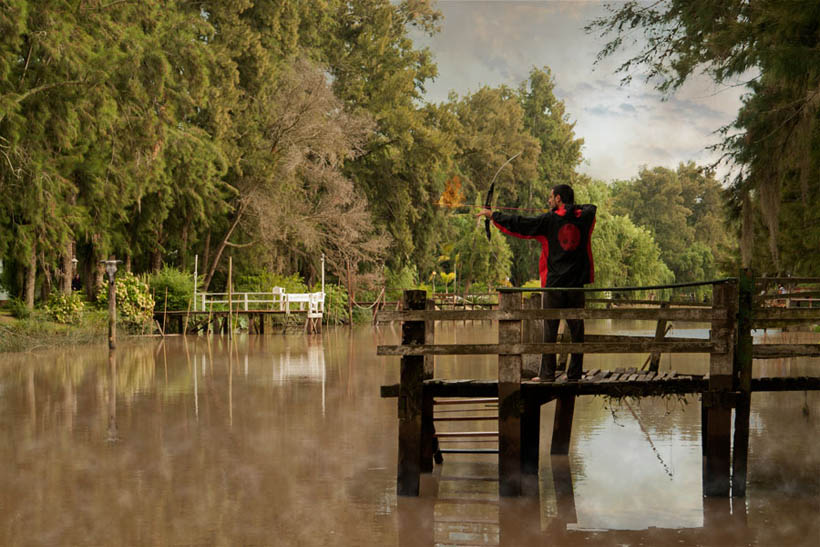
562 425
509 401
743 383
411 395
530 435
429 443
718 400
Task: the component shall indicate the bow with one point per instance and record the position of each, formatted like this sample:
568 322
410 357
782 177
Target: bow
491 191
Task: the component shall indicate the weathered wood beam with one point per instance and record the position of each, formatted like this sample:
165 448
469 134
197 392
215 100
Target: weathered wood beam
410 402
778 351
672 314
509 400
640 346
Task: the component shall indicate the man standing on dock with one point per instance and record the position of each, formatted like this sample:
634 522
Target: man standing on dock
565 234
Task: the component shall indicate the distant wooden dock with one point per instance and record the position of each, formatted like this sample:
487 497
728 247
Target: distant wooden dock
725 391
217 310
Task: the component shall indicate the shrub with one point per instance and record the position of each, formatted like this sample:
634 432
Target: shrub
135 307
265 281
19 309
335 304
65 308
180 287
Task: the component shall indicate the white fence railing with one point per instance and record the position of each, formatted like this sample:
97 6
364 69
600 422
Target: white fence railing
275 300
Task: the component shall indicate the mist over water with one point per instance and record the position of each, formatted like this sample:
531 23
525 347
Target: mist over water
284 440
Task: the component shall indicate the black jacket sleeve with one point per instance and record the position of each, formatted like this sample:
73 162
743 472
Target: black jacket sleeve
520 226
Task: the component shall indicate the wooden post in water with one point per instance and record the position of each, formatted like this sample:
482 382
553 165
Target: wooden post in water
509 401
230 297
533 334
428 447
660 333
411 394
717 429
562 425
531 417
743 379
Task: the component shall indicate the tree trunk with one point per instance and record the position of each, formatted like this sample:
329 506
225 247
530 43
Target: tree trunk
207 253
67 273
31 278
221 248
48 282
183 251
156 260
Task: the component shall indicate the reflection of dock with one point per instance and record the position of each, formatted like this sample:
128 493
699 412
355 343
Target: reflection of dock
725 391
463 507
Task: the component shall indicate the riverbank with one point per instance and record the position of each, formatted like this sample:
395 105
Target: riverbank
36 333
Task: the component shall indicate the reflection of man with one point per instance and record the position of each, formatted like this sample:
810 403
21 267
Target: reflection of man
566 261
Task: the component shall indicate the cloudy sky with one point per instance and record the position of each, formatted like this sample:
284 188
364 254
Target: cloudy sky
498 42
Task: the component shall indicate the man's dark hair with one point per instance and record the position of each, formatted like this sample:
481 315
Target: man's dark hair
566 192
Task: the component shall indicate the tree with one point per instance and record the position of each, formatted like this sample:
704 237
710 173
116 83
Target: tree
774 139
624 254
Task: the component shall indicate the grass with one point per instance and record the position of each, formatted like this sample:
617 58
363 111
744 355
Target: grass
37 332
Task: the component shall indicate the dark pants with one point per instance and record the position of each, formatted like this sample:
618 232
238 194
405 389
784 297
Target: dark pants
563 299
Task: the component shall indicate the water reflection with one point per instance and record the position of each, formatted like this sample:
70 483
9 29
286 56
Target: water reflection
284 440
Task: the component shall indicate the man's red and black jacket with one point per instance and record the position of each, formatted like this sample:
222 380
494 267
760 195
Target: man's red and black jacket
565 235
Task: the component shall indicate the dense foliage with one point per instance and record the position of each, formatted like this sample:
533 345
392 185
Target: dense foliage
275 132
772 47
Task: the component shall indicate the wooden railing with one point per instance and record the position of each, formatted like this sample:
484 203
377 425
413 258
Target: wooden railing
731 314
276 300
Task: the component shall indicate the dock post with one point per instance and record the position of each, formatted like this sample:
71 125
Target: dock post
660 333
509 401
717 429
428 444
743 379
533 334
530 435
411 393
562 425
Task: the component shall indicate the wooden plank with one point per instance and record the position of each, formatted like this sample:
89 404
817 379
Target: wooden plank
410 402
802 383
465 401
509 400
669 384
787 314
450 434
702 315
643 346
778 351
464 418
469 451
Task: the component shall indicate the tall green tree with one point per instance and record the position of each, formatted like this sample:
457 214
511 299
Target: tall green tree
773 141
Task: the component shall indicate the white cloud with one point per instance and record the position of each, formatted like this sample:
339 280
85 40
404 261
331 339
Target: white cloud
623 127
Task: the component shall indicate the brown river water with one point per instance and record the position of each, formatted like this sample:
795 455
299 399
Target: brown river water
284 440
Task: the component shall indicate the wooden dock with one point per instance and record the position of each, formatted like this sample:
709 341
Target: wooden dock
725 391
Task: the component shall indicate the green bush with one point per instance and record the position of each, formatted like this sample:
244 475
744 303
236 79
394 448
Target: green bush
135 306
65 308
180 287
335 304
265 281
19 309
